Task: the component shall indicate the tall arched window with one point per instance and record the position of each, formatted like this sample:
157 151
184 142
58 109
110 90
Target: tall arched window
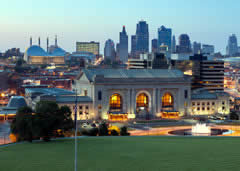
115 102
167 100
142 101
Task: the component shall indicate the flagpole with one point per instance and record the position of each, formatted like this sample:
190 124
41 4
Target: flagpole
75 164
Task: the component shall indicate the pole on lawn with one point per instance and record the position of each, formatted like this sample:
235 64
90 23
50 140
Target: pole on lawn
75 164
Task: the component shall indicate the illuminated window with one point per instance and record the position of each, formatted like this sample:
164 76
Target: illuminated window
142 100
167 100
116 102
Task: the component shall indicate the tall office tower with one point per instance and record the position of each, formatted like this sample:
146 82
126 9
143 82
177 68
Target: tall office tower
109 50
117 51
207 49
154 45
173 44
184 44
47 44
133 46
165 37
142 38
232 47
92 47
207 74
123 46
196 48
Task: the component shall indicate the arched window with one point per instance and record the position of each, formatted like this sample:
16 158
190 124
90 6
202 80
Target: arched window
142 101
115 102
167 100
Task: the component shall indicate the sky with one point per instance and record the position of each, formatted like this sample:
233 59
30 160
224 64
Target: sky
205 21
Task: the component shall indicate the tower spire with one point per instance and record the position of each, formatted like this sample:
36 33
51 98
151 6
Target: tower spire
47 44
56 41
39 42
31 41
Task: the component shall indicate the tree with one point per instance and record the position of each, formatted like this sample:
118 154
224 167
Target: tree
234 116
49 119
22 125
103 129
124 131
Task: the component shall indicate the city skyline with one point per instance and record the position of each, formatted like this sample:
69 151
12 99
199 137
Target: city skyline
73 22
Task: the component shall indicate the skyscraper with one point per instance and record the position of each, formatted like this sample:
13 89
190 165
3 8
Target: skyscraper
133 46
173 44
109 50
154 45
232 47
196 48
92 47
123 46
184 44
142 38
207 49
165 37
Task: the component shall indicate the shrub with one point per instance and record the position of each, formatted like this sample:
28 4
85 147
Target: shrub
114 132
103 129
124 131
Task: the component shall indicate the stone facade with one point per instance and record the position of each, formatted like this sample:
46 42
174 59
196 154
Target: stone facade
107 84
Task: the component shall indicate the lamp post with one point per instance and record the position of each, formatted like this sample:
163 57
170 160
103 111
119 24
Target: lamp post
75 163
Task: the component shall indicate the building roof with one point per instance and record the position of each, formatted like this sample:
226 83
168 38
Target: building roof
50 91
35 51
204 95
71 99
16 102
133 73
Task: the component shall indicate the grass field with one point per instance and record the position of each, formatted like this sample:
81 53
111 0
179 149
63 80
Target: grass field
125 153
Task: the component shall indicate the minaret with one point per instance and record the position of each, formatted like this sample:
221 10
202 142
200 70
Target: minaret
39 42
31 41
56 41
47 44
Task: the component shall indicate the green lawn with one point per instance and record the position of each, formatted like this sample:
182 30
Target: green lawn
125 153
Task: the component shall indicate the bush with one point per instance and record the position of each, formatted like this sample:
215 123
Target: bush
124 131
234 116
89 132
114 133
103 129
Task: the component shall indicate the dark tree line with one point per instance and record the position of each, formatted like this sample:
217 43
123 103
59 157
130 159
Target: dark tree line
44 123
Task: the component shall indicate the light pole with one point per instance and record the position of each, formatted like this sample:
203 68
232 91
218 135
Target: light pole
75 163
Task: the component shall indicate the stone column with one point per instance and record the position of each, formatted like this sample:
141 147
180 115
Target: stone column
133 101
129 101
154 102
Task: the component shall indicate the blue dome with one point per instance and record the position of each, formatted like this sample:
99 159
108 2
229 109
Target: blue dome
58 52
36 51
17 102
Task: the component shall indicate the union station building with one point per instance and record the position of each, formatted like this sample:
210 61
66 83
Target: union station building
120 94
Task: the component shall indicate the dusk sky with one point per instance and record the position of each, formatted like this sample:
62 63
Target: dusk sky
206 21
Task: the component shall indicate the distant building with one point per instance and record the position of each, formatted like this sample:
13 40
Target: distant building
207 74
197 48
133 46
232 47
184 44
165 37
92 47
142 38
149 61
81 59
154 45
207 49
123 46
35 54
209 103
109 50
173 44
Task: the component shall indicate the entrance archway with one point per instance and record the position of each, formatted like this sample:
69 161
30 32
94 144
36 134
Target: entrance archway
167 101
142 103
115 103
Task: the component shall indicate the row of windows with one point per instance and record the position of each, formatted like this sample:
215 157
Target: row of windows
208 103
207 108
80 107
